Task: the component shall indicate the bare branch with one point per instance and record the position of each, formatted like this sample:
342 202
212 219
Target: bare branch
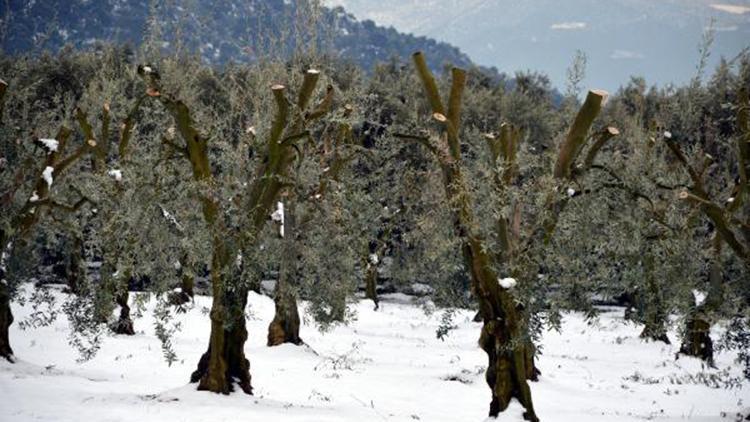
323 107
308 86
428 82
576 138
601 138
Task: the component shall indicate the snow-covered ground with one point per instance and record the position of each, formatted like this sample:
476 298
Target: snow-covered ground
387 365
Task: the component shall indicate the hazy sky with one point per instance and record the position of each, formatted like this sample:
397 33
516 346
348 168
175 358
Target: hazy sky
657 39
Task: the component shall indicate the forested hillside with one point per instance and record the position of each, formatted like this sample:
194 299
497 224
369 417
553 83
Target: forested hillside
218 31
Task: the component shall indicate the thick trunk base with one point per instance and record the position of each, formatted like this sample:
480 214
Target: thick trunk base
74 274
179 298
236 367
230 364
697 341
186 293
477 317
532 372
6 319
655 332
507 371
371 285
124 325
285 325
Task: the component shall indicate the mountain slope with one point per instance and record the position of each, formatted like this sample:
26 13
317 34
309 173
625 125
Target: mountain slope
657 39
220 30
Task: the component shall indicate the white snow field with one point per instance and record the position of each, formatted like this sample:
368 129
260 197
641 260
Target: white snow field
386 366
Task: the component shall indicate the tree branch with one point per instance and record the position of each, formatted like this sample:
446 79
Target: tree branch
576 138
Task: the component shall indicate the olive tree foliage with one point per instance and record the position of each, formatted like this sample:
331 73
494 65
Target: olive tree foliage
322 236
673 253
109 233
409 189
634 243
711 149
142 229
405 221
528 105
40 152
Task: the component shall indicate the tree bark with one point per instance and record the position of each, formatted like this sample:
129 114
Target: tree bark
371 283
696 340
285 325
532 372
6 316
6 319
225 363
187 287
503 335
75 266
123 325
655 316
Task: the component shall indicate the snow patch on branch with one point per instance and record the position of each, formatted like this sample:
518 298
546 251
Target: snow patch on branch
50 144
47 175
171 218
507 283
117 174
699 297
278 216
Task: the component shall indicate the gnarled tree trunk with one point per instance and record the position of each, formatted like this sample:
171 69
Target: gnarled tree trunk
371 283
505 336
187 287
655 315
6 316
6 319
285 325
225 363
532 372
123 325
696 339
75 266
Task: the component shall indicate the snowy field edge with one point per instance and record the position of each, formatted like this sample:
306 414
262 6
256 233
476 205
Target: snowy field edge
386 365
